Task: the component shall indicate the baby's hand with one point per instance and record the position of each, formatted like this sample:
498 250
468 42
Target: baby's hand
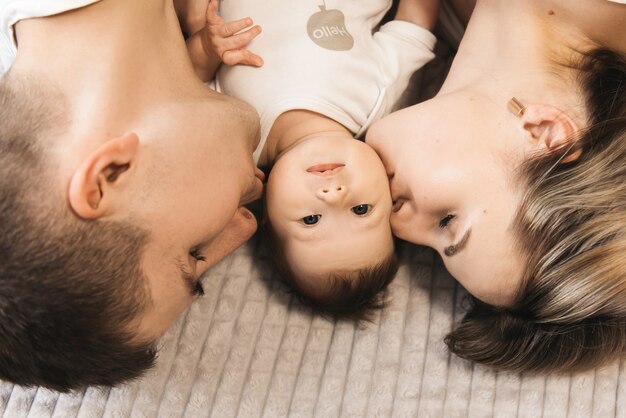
221 41
225 39
420 12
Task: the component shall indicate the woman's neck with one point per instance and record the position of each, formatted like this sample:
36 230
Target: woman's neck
295 126
524 48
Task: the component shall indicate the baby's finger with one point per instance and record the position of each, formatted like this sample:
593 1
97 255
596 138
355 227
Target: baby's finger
242 57
240 40
231 28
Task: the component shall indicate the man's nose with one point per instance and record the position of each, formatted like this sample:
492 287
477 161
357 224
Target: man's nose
332 193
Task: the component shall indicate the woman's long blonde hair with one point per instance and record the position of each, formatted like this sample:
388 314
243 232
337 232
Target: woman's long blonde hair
571 312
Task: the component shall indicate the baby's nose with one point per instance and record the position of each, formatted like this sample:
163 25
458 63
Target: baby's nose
332 193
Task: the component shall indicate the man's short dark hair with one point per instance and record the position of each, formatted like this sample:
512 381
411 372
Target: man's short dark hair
70 290
354 295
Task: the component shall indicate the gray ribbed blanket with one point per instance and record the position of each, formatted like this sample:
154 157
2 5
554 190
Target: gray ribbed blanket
248 349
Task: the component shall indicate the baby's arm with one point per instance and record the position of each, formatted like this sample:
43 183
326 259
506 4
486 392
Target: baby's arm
406 45
421 12
221 41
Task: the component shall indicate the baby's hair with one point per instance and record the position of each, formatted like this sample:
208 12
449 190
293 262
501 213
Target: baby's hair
353 295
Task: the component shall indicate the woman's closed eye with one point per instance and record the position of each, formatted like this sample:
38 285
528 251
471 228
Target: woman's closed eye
446 220
362 209
311 219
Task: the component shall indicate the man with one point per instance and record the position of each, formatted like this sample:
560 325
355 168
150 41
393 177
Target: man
123 178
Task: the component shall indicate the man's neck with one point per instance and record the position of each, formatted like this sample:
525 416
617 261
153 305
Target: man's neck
191 14
111 59
295 126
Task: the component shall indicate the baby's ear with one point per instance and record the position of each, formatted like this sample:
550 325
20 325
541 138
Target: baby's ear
550 129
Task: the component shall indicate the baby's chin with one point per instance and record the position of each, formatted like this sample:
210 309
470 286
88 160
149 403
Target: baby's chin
325 148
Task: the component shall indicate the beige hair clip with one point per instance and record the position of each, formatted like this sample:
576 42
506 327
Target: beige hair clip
515 107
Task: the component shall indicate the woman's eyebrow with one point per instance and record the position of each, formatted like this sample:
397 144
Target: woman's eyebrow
455 248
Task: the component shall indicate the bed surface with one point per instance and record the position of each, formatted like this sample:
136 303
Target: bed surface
249 349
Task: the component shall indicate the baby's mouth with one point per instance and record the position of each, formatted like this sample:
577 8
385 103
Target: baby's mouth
326 170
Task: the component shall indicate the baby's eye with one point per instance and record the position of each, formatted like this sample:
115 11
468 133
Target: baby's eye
361 209
445 221
311 219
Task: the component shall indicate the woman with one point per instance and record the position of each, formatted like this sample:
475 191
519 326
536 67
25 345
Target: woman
516 174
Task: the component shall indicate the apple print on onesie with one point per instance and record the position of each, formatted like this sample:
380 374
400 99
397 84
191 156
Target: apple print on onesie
327 28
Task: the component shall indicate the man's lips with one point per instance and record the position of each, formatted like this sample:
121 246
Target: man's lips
259 174
255 191
327 169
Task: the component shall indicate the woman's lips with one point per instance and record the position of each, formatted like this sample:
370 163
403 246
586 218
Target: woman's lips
327 169
397 204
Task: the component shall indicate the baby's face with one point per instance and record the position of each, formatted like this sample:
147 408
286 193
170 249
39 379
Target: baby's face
328 201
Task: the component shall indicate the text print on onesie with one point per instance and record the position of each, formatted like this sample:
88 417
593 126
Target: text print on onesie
327 28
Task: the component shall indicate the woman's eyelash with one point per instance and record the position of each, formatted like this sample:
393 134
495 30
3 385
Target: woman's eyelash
196 254
443 223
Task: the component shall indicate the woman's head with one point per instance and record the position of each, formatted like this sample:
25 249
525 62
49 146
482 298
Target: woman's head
555 258
453 186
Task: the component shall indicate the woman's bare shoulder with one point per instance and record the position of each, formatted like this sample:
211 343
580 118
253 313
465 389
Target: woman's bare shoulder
602 21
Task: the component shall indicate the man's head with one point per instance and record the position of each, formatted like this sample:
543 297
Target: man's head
328 206
70 289
184 176
105 233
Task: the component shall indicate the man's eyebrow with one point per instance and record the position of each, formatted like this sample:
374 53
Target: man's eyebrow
455 248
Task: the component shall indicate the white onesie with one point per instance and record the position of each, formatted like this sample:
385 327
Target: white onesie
12 11
326 57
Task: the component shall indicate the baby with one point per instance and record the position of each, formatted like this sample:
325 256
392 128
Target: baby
326 74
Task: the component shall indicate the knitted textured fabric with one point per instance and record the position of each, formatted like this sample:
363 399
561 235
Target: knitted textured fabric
248 349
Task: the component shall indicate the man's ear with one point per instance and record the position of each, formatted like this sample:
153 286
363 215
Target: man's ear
93 184
550 129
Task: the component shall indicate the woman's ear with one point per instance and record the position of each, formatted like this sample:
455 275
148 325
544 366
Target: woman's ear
93 184
550 129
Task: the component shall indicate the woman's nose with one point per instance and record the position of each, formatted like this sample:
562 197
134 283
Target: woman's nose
332 193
